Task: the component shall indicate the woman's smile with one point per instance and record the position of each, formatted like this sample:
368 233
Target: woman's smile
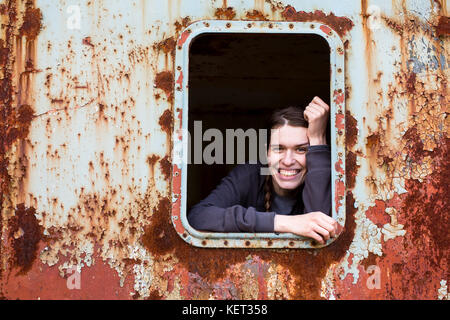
288 174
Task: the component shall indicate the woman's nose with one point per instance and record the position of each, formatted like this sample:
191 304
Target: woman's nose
288 158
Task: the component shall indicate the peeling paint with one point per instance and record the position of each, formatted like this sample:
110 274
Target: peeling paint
340 24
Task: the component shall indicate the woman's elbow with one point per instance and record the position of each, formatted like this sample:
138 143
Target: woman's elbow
193 219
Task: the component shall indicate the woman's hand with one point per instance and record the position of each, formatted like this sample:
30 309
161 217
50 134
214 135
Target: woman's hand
316 225
316 113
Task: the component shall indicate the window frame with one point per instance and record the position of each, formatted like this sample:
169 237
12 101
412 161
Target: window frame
180 140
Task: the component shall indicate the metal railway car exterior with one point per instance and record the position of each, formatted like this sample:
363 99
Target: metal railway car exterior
94 99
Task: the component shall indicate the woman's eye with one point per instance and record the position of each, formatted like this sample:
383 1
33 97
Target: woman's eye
277 149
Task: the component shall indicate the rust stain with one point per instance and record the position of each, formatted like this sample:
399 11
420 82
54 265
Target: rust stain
397 27
183 24
227 13
166 121
167 46
411 83
32 22
15 118
351 130
25 234
431 197
275 5
154 295
18 123
255 15
412 266
164 81
166 167
160 238
443 26
151 160
88 41
339 24
6 117
373 142
4 52
351 170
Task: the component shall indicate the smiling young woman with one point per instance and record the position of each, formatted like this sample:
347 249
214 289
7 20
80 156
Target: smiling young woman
294 197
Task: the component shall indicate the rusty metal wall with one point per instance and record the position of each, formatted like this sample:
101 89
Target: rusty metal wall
85 155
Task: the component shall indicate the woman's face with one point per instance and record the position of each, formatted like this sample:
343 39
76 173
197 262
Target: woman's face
287 158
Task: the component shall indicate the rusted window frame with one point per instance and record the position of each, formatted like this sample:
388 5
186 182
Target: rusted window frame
180 143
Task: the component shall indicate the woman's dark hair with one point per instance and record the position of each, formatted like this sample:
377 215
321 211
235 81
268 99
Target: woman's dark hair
292 116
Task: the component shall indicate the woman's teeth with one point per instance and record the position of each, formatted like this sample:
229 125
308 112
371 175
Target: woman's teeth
288 172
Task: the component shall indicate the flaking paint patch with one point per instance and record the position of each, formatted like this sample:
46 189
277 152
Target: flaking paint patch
396 165
255 15
443 291
226 13
341 25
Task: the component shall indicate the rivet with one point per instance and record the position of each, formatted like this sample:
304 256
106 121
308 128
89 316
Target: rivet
312 26
179 68
339 70
291 243
228 25
291 25
225 242
249 25
247 243
270 25
203 243
269 243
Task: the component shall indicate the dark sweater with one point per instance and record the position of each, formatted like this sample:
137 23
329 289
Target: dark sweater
237 203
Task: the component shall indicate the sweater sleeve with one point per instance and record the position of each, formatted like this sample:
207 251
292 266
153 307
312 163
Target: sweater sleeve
222 209
317 189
